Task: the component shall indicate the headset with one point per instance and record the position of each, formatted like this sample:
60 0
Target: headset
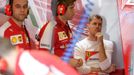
58 7
8 9
61 9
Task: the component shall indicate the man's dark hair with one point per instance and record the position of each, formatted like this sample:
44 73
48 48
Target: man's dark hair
11 5
11 2
55 3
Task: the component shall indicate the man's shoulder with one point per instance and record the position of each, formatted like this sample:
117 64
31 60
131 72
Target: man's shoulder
48 25
108 44
82 42
6 24
53 22
4 28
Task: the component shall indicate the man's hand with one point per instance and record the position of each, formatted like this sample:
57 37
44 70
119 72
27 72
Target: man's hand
99 36
76 62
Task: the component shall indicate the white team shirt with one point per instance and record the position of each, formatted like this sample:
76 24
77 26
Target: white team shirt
86 50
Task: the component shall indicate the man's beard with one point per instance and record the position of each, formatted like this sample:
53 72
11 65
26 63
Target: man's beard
19 19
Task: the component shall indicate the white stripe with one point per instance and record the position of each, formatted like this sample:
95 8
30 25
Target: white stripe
55 71
31 66
47 36
3 28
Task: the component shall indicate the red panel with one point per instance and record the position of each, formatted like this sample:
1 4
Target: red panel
126 15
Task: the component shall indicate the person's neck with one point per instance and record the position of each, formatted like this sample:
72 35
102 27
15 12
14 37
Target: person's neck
63 19
92 37
19 23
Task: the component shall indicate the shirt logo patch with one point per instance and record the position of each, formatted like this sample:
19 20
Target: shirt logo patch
62 35
16 39
91 55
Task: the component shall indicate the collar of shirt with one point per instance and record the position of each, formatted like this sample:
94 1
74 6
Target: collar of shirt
60 23
15 25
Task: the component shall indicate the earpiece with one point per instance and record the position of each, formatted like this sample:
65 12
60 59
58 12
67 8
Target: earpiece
8 11
8 8
61 9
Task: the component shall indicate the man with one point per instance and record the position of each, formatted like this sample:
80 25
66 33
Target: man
56 34
95 52
14 28
33 62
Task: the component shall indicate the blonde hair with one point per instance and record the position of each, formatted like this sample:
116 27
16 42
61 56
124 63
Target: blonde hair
95 16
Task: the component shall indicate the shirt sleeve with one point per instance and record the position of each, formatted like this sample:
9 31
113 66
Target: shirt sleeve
107 62
46 40
79 53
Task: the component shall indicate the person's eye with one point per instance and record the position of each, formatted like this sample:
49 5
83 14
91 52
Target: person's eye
25 6
17 6
94 23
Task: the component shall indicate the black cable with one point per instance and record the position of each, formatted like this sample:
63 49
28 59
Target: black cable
27 34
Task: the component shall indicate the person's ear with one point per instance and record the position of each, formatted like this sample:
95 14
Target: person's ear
8 10
27 12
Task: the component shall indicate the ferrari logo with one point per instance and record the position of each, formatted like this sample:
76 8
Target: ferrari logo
91 55
87 55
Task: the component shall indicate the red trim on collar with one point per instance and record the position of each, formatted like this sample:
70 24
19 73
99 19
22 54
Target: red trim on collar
60 22
15 25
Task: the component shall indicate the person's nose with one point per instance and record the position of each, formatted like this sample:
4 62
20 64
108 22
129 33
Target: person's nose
97 25
22 9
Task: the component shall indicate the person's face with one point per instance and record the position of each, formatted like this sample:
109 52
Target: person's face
94 26
70 12
20 9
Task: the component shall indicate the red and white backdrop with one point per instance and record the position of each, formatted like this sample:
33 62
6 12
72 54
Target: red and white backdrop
126 15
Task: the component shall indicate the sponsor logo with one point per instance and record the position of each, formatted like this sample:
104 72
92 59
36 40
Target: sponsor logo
16 39
62 35
46 45
91 55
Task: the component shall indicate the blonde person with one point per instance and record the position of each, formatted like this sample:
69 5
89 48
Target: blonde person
95 52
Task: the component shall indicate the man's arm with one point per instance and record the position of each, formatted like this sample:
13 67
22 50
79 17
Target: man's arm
104 61
109 70
101 49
